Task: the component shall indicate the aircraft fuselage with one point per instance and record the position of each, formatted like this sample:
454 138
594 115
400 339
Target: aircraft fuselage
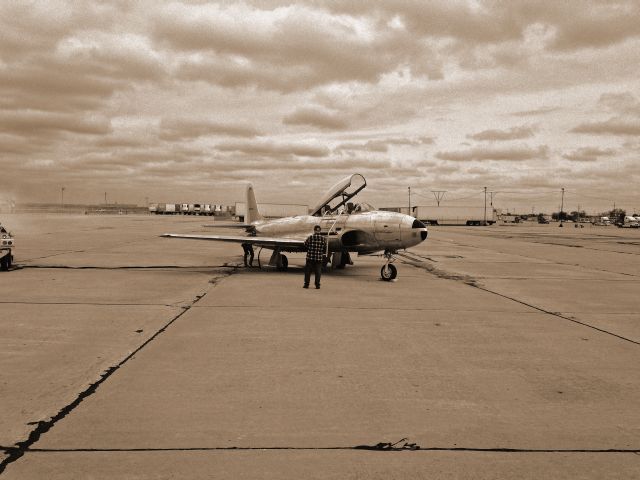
364 232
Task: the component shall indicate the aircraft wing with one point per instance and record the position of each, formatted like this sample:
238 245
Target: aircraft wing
289 244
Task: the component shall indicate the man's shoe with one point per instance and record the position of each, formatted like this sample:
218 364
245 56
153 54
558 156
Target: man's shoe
317 287
305 286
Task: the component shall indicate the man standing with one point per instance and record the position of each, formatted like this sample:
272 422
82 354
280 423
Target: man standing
316 246
248 252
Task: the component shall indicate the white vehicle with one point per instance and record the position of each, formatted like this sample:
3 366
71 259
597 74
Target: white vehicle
348 227
630 222
7 243
455 215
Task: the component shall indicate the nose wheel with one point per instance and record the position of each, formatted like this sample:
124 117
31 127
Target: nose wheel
388 271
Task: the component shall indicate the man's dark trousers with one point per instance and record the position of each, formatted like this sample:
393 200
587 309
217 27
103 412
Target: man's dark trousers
316 266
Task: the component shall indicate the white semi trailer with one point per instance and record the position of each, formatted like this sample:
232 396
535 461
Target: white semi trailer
454 215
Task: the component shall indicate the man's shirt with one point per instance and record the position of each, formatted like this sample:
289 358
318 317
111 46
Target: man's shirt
316 246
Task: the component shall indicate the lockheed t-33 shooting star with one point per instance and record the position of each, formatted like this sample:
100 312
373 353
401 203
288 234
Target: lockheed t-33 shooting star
349 227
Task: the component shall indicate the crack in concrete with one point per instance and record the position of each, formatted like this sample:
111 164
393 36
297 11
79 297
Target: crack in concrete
559 315
473 283
123 267
381 447
95 304
43 426
555 262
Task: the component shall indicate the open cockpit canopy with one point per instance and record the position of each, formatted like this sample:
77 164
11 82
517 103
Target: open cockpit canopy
340 194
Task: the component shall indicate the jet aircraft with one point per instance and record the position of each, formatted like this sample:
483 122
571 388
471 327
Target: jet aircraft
349 227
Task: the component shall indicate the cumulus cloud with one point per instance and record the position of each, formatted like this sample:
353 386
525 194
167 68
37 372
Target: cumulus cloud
273 148
287 48
180 128
599 25
29 123
316 117
37 26
382 144
624 103
589 154
535 112
513 133
501 154
612 126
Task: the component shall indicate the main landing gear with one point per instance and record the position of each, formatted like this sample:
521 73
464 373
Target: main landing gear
279 260
388 271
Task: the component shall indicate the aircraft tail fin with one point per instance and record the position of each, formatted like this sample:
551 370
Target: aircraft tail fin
253 214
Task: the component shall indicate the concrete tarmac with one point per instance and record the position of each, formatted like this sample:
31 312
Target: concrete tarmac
499 352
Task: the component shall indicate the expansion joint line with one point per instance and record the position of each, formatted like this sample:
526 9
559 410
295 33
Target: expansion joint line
43 426
380 447
556 314
472 283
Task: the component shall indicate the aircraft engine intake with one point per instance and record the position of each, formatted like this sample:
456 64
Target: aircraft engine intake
353 238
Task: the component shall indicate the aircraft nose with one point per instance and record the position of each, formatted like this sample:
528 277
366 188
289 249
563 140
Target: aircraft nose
417 224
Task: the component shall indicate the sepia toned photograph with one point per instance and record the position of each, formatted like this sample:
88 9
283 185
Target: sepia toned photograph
323 239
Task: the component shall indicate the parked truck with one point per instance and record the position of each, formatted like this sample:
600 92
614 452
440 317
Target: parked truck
7 243
167 208
454 215
629 222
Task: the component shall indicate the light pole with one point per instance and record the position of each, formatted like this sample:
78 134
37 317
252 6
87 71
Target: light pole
409 200
485 206
62 198
561 208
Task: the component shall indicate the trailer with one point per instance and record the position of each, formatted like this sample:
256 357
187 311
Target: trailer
629 221
7 243
455 215
274 210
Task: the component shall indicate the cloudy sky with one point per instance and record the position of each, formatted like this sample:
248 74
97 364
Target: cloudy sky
186 101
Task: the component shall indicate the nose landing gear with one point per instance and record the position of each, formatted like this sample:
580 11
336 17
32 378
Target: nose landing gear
388 271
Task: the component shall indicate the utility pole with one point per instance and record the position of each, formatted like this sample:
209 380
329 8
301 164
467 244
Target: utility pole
485 206
439 194
578 215
105 198
62 198
409 200
561 208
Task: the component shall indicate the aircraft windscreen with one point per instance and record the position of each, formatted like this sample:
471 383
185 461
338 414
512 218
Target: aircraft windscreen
364 207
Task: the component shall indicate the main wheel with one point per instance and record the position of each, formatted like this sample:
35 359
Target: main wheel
284 263
388 272
4 263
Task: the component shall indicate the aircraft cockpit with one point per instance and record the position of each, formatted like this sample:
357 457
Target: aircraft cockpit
359 207
338 196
